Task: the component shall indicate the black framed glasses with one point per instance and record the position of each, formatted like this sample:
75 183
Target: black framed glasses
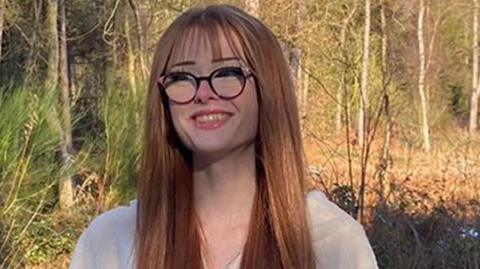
226 82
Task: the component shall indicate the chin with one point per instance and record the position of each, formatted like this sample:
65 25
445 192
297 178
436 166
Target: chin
219 149
211 148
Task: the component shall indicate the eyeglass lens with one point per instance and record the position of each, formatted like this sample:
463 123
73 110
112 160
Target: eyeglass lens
226 82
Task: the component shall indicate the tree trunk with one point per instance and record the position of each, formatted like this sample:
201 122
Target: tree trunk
2 15
100 64
344 99
384 162
252 7
141 39
66 183
296 56
52 45
31 66
130 57
475 87
345 55
362 113
117 34
363 110
421 78
72 76
388 134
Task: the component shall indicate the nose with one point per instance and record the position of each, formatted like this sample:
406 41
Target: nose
204 92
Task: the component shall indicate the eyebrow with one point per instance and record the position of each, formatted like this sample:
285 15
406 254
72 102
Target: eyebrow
233 58
213 61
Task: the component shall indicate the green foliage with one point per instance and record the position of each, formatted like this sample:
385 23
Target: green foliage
31 232
344 197
46 239
30 137
122 114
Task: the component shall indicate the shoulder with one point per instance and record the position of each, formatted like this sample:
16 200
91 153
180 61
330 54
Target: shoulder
109 239
326 217
119 220
338 240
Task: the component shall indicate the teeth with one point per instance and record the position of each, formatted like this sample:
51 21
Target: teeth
211 118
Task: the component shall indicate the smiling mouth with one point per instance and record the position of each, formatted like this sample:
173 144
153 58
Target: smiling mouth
211 118
211 121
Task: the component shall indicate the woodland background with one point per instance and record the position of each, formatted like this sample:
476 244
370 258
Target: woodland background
388 93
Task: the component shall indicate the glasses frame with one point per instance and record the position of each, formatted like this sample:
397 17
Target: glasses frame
246 72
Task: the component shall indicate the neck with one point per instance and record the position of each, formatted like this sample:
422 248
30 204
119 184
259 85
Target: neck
224 187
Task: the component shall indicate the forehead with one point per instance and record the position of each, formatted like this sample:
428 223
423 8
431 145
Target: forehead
205 44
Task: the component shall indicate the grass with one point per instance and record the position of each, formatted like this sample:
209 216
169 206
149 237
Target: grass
33 231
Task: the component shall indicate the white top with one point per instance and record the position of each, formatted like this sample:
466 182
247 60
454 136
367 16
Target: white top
339 241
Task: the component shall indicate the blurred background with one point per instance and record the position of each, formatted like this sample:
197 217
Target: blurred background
388 93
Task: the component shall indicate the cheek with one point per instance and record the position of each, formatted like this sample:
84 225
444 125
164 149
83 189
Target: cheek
179 120
252 100
176 113
250 104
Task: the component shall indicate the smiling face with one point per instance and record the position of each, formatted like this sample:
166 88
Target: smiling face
210 125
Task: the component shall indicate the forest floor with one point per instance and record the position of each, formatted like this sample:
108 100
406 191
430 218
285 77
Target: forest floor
423 211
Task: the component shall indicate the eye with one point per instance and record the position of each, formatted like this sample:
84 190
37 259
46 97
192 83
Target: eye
229 72
176 77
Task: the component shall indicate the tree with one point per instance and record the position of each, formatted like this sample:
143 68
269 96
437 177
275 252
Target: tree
34 53
342 102
51 35
475 86
421 77
2 15
141 38
130 56
296 56
384 160
66 182
362 113
57 69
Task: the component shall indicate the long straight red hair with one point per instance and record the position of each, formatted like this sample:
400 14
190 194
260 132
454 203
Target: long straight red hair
167 234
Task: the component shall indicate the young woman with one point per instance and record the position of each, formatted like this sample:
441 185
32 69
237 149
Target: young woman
223 176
